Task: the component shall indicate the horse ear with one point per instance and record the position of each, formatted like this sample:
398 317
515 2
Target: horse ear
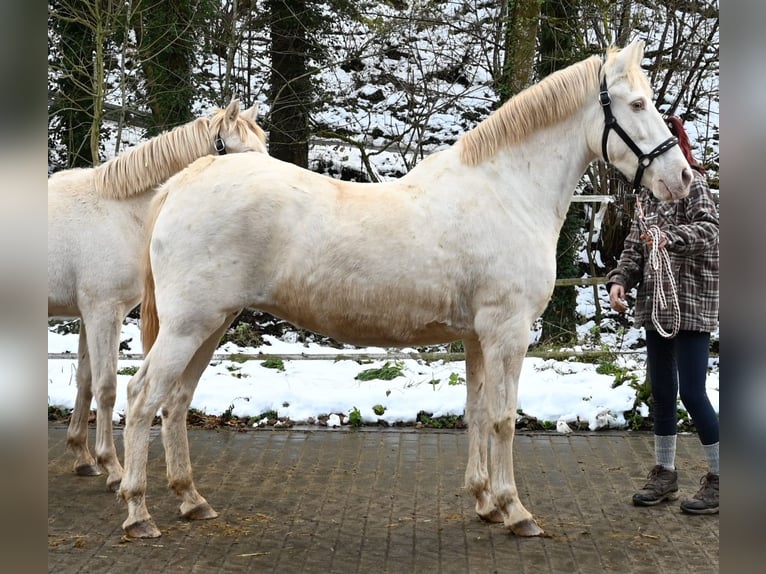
634 52
631 55
232 110
252 111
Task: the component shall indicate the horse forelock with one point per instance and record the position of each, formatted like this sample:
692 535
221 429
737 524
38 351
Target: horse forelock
549 101
147 165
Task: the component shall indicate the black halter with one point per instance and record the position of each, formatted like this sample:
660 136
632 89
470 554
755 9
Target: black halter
220 145
610 123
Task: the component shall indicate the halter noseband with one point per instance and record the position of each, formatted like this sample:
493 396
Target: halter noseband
220 145
610 123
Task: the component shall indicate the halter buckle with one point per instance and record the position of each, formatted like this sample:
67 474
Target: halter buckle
220 145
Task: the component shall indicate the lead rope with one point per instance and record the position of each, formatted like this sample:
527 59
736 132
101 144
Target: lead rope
659 261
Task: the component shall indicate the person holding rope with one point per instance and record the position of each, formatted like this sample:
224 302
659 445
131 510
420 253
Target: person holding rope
671 254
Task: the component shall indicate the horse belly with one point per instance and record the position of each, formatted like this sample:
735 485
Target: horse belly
392 315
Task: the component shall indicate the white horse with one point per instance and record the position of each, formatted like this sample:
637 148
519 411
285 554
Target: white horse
461 248
96 237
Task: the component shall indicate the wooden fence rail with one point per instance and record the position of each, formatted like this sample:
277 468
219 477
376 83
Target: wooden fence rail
588 355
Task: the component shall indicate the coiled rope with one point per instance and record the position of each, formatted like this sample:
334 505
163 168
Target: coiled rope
659 261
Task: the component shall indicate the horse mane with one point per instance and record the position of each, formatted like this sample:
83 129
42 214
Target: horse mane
543 104
147 165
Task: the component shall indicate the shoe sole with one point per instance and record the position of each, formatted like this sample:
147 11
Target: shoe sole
669 497
699 511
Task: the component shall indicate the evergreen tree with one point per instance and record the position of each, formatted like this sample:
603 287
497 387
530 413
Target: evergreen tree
165 32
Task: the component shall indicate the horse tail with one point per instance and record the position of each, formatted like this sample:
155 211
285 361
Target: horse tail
150 324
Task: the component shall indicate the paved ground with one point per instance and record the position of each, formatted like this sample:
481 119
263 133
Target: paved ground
300 501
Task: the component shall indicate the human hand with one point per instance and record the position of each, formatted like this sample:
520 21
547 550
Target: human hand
617 298
648 238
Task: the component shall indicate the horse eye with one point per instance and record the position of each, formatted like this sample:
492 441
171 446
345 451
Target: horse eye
637 105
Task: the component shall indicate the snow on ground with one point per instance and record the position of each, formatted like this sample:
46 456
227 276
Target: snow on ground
550 390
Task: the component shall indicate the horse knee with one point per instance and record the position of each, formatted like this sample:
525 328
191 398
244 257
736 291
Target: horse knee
504 427
106 396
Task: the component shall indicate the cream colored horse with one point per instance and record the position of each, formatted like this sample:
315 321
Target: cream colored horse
95 239
461 248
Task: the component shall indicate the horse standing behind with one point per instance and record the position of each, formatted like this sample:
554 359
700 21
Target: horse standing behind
95 240
461 248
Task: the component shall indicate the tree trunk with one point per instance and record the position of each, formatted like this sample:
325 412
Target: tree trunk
291 91
522 18
558 49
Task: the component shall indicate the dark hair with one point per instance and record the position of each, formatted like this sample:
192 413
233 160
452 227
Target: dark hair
677 129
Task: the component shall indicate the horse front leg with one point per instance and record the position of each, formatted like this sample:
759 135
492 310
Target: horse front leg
77 432
504 355
175 436
476 472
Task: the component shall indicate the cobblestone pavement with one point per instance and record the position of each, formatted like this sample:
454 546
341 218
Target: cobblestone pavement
383 500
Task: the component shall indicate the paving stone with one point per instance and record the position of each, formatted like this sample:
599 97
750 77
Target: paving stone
383 500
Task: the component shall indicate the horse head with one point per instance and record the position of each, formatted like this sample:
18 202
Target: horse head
235 131
635 138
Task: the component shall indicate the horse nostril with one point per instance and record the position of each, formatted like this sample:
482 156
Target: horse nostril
686 176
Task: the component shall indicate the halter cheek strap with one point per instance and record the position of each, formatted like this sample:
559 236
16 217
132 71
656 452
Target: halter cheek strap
610 123
220 145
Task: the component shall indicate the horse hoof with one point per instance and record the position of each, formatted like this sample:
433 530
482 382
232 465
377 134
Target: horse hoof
494 516
200 512
526 527
87 470
142 529
114 485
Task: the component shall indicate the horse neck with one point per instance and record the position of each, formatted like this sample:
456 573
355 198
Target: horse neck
145 166
137 207
546 166
539 138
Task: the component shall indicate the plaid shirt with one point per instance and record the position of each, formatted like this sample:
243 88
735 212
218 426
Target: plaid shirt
691 227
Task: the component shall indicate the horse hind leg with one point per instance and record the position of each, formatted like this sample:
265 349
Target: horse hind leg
148 390
175 436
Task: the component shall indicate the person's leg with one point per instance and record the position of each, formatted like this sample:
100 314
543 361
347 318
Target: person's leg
663 374
662 481
693 353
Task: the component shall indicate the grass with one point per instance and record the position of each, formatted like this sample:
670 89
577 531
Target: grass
385 373
243 335
355 417
455 379
128 371
379 410
274 363
428 420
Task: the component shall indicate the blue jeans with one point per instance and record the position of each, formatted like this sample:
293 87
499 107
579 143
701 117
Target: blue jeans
680 364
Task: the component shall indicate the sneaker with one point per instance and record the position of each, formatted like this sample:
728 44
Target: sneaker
662 484
706 499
